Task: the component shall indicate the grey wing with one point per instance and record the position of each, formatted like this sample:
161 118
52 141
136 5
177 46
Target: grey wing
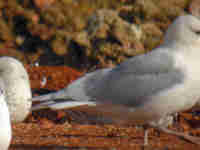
135 79
130 83
160 60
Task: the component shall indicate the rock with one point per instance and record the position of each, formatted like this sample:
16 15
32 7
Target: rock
194 8
4 51
153 35
122 29
109 38
43 3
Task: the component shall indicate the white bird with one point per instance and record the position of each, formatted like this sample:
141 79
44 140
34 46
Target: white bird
5 125
146 88
17 88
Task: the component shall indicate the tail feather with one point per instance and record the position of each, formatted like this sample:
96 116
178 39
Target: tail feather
51 96
61 105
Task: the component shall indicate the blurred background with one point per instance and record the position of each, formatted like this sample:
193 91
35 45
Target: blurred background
85 34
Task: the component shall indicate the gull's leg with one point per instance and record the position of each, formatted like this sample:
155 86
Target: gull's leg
146 132
163 123
146 143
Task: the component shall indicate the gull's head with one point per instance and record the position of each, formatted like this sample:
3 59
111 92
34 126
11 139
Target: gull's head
184 30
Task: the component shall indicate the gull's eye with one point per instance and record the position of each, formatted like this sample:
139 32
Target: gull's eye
197 32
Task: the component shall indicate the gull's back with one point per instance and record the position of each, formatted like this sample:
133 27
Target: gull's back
135 79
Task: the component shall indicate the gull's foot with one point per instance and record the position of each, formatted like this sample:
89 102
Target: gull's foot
192 139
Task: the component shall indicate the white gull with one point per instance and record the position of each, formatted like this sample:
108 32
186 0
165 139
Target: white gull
147 88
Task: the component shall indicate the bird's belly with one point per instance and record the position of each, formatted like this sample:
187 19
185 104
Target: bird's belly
178 98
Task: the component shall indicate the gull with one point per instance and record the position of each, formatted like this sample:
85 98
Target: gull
17 88
145 89
5 124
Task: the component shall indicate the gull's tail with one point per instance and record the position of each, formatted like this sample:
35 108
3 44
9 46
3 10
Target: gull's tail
61 104
78 93
56 95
